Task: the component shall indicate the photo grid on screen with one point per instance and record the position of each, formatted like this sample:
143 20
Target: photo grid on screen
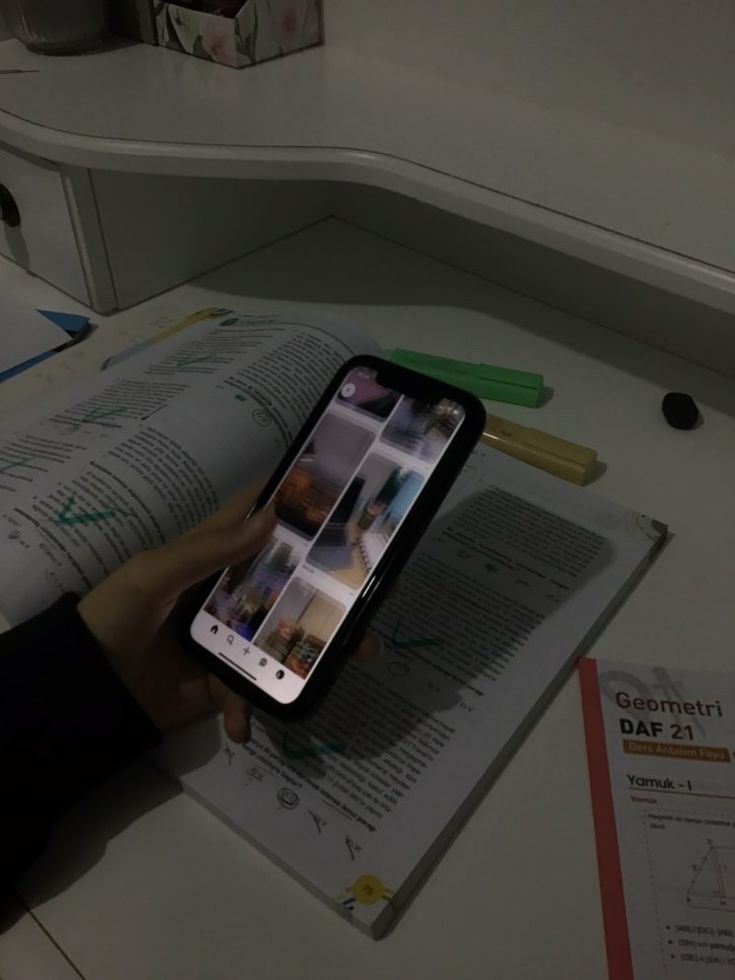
337 509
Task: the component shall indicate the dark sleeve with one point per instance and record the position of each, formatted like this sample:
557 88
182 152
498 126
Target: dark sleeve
66 722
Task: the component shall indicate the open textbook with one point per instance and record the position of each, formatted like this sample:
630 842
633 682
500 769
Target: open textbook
508 587
133 456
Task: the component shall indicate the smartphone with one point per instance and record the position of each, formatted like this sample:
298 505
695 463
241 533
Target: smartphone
352 497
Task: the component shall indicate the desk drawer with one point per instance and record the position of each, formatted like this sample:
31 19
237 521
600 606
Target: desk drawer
43 241
114 239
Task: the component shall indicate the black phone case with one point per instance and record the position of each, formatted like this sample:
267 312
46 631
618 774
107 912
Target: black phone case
405 539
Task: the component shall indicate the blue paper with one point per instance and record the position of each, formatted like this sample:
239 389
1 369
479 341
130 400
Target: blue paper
71 323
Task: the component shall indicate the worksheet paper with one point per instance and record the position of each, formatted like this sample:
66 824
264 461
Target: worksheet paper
25 333
660 748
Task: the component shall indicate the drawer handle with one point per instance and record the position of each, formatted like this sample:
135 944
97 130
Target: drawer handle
9 212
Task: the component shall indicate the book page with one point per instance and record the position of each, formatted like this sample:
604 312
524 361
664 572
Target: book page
144 451
505 589
659 745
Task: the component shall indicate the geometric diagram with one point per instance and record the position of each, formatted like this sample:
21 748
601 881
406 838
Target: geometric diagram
713 884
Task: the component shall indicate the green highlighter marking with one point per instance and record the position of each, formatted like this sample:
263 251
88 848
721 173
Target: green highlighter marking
102 413
14 463
195 360
412 643
66 519
95 416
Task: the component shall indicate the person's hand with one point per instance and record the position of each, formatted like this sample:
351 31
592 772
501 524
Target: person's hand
132 616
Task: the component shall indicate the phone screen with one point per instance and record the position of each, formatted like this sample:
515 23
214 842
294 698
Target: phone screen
360 472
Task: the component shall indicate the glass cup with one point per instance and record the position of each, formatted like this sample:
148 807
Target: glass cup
55 26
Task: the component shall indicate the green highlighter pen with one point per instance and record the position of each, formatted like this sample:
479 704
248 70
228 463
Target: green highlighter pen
484 380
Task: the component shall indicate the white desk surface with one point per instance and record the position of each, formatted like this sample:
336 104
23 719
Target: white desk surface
638 178
142 882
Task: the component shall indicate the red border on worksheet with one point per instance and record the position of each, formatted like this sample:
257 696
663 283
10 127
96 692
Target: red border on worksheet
617 940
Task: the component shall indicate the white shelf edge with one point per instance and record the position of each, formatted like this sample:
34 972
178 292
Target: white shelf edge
615 252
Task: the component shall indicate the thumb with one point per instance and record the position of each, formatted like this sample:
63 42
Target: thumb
186 561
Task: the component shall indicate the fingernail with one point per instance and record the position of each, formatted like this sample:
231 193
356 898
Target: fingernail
260 520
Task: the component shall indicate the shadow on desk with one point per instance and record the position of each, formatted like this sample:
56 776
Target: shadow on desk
81 837
357 267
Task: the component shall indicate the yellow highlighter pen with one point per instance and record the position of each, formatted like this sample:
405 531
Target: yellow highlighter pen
557 456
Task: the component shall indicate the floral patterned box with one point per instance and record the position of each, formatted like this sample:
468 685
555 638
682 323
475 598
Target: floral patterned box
239 32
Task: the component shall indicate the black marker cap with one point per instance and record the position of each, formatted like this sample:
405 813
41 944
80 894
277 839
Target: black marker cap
680 410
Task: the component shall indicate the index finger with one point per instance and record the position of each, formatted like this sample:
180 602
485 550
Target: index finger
369 646
236 509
